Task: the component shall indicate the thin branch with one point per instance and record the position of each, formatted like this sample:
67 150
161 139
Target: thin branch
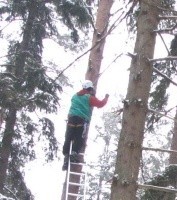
168 17
161 114
158 149
14 196
110 64
167 30
112 27
162 59
164 76
7 65
164 43
131 55
172 63
152 187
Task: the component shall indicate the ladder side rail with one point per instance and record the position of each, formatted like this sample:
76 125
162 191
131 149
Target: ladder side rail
85 180
68 173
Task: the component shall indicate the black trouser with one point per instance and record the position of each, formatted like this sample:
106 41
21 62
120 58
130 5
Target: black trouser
75 130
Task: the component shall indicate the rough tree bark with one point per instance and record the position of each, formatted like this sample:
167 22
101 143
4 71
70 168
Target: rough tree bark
124 185
173 156
96 55
95 58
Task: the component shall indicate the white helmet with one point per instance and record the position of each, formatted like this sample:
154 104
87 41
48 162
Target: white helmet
87 84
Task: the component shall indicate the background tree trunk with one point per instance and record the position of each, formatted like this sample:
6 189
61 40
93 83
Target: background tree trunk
95 58
96 54
173 156
11 118
129 153
6 146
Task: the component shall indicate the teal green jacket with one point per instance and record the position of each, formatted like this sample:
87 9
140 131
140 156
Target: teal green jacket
80 106
83 102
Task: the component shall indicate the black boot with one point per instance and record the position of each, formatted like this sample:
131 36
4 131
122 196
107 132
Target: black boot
65 163
74 157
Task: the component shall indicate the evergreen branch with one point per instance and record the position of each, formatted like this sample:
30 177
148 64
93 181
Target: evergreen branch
112 27
164 76
152 187
91 15
7 65
17 53
160 7
10 75
12 193
167 30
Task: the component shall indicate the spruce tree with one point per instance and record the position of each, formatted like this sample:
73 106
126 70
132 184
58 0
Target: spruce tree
27 86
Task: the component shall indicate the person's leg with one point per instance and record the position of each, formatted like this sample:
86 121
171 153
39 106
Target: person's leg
68 138
77 144
78 139
66 146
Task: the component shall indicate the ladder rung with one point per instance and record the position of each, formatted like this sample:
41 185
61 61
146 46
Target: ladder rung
79 174
77 184
82 154
74 163
76 195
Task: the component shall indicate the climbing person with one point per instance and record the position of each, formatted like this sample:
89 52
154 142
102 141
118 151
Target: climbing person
79 116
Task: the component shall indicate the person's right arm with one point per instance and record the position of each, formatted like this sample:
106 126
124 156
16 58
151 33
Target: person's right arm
95 102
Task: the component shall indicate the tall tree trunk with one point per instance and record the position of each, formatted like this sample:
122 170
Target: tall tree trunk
5 148
96 55
124 185
92 73
173 156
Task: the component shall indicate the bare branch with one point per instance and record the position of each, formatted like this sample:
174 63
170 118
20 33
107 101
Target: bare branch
164 43
161 114
7 65
131 55
110 64
164 76
165 58
152 187
158 149
168 17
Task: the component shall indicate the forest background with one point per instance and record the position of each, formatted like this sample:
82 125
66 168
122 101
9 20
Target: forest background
113 80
